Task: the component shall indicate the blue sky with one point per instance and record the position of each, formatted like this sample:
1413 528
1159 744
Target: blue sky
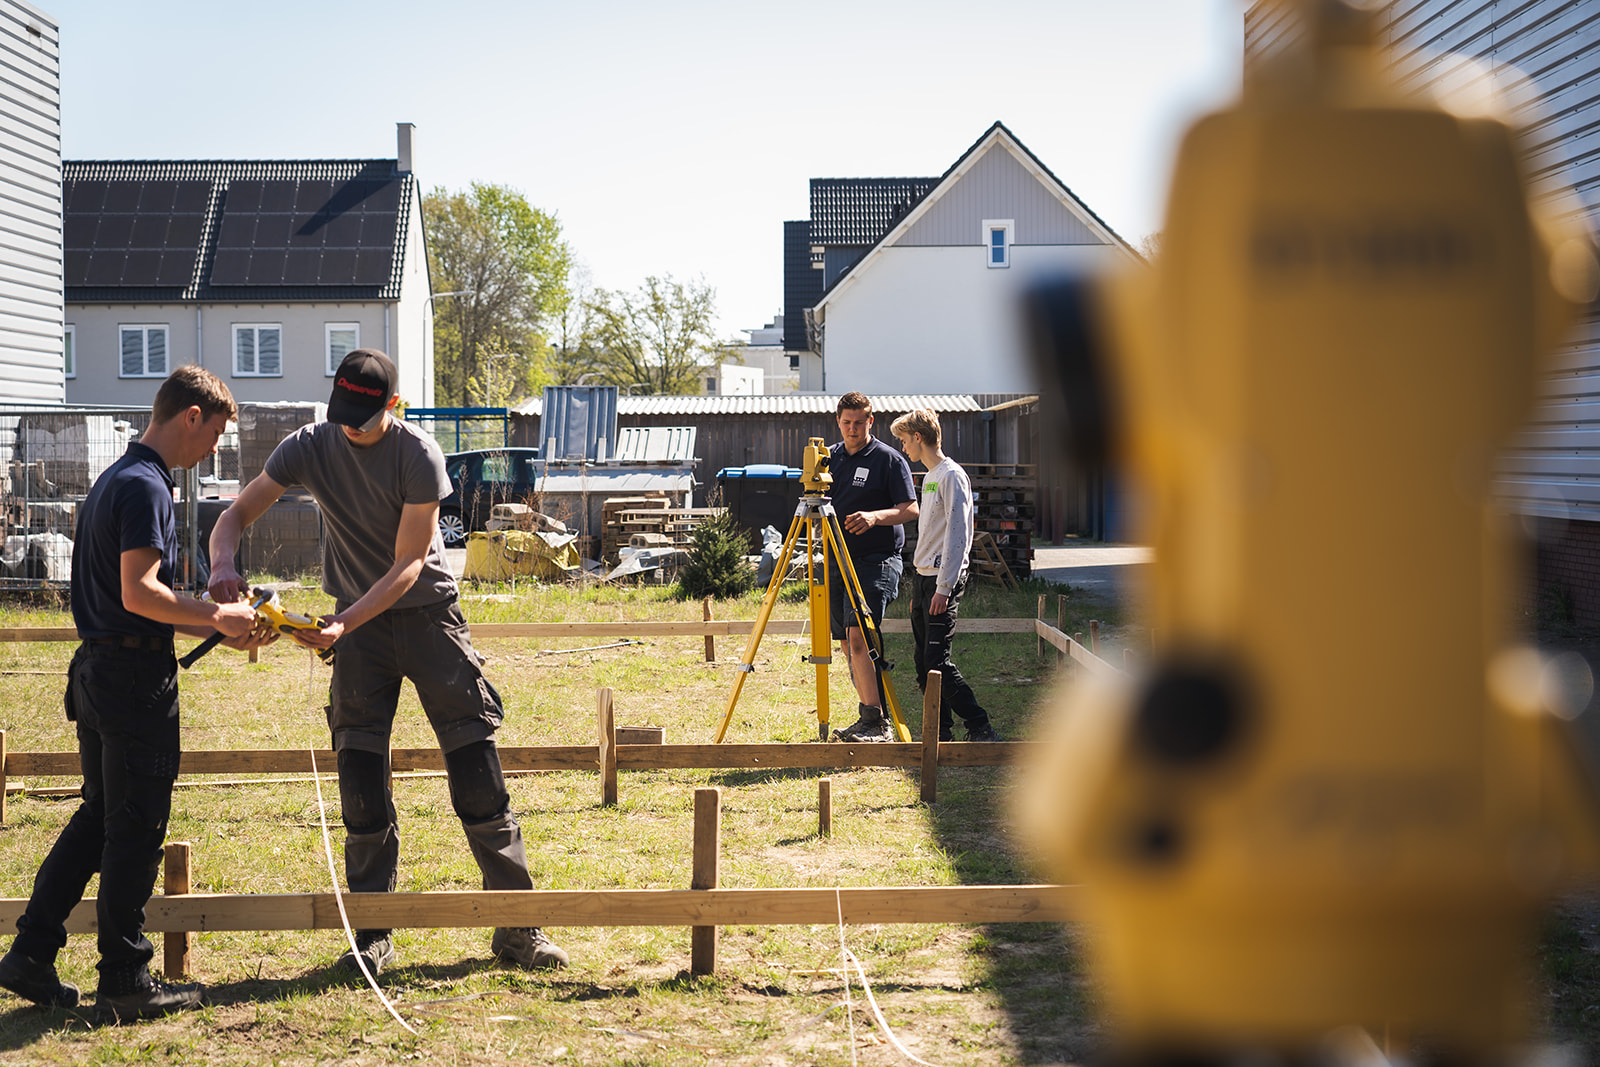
668 138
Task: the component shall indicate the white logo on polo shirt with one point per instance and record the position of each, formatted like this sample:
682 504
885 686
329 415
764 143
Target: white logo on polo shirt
860 478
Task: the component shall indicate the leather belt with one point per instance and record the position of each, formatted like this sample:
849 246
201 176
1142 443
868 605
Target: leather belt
148 642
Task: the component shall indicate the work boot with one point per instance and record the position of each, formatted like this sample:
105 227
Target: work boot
35 981
526 946
376 949
871 726
148 998
983 732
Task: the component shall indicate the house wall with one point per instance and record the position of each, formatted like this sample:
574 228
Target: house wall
30 182
998 186
204 334
410 336
938 320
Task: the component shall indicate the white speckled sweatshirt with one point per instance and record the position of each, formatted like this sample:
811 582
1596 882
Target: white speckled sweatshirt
944 524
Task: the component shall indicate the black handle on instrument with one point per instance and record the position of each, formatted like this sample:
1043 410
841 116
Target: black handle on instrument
199 650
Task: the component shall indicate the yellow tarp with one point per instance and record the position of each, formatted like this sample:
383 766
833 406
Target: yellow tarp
520 554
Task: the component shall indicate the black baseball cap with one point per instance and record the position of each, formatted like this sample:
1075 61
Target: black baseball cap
362 389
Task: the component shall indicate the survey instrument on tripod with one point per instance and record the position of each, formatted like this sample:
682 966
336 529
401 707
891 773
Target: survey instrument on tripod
817 526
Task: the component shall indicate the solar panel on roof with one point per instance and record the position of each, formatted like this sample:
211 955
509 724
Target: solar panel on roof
307 232
133 232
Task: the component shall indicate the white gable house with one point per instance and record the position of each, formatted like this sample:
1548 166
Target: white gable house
932 306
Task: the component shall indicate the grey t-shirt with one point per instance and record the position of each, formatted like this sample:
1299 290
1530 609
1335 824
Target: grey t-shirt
361 492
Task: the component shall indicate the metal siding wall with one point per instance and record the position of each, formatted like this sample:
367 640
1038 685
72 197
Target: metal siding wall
1554 468
30 203
998 186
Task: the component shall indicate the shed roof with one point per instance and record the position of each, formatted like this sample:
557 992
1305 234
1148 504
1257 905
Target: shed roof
139 231
776 404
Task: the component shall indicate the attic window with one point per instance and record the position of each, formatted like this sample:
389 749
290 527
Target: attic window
997 242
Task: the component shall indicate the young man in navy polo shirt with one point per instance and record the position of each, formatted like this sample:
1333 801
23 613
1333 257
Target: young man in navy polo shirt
873 496
122 690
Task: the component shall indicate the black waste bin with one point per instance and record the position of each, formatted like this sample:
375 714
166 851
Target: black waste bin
761 494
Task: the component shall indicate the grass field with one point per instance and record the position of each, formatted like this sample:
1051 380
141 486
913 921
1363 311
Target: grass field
1002 994
955 995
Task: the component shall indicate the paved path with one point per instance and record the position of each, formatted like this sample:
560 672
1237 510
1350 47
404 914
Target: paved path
1110 571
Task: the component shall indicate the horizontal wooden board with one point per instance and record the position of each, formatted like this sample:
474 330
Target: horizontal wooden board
605 907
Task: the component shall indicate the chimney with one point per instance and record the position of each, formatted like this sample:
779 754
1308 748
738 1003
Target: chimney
404 132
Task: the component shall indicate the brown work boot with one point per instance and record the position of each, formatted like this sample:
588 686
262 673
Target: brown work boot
526 946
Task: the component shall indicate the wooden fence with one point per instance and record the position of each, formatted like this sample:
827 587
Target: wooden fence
178 913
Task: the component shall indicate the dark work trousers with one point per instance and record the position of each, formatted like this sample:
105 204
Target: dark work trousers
931 636
125 701
431 646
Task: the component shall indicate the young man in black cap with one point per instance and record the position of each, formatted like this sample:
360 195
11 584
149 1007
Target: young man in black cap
378 481
122 692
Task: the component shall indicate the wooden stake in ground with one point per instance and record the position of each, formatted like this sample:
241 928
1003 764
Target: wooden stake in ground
178 881
607 728
824 807
932 694
707 849
711 642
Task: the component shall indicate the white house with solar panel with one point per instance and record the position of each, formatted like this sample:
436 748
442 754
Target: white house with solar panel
898 285
266 273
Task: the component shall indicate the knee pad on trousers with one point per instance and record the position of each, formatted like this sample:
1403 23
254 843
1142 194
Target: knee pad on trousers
364 791
477 784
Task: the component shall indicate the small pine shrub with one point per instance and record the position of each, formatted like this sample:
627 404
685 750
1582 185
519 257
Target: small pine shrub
717 566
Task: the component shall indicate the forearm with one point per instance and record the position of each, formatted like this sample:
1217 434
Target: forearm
957 545
156 602
384 594
897 515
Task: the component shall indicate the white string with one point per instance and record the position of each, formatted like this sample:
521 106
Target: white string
333 873
846 959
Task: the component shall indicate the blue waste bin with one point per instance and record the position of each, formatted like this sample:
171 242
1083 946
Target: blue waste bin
761 494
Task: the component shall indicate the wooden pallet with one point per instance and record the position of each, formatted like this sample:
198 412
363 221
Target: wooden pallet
986 561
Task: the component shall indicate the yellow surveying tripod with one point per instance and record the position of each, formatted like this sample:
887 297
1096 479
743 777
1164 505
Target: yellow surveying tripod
815 518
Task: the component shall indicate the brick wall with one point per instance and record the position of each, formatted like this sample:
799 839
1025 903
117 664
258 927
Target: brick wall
1567 572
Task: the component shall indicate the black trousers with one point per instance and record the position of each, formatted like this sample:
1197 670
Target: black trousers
931 636
125 701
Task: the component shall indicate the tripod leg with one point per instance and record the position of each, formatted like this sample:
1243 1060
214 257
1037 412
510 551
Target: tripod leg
821 628
747 663
869 629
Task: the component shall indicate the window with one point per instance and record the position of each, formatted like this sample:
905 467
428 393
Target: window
711 384
997 241
343 338
257 351
144 352
69 351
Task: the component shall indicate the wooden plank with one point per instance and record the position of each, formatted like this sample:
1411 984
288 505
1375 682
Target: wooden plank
604 907
706 874
819 755
178 881
39 633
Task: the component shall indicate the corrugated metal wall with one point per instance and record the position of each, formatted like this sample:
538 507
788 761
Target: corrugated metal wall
998 186
30 179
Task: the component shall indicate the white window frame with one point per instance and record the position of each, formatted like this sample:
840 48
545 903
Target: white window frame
327 344
990 226
145 332
69 350
255 329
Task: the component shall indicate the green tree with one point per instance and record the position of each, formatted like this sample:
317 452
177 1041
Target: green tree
658 337
717 566
511 260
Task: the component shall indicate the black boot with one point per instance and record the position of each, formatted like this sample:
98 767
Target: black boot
35 981
872 726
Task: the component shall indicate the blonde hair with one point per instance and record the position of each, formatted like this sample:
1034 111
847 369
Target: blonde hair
921 421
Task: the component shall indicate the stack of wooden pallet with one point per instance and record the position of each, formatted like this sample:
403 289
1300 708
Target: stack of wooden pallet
611 535
1003 502
675 526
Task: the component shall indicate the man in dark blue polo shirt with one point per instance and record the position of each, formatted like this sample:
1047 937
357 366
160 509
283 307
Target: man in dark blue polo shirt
122 691
873 496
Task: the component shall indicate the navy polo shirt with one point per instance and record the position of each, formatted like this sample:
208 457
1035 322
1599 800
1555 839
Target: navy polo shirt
130 507
875 478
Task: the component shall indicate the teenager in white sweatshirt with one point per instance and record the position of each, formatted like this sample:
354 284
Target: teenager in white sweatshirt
944 541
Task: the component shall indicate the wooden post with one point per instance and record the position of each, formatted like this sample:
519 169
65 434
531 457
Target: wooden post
178 881
1094 636
2 777
1061 621
711 642
707 848
255 655
607 723
1039 640
931 696
825 807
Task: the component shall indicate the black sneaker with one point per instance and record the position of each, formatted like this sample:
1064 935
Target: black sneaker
376 949
35 981
526 946
151 999
982 733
